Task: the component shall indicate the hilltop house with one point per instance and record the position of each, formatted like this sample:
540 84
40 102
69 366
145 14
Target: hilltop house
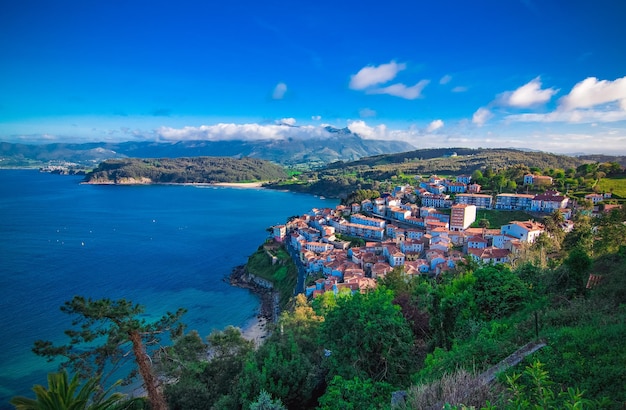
531 179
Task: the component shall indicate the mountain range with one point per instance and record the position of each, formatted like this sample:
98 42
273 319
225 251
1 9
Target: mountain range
338 145
338 148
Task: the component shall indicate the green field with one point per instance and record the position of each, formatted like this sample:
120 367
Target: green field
615 184
498 218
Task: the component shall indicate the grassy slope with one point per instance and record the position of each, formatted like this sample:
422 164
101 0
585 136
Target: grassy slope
498 218
584 338
615 184
283 274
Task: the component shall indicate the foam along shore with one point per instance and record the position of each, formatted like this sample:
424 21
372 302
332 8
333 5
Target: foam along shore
239 184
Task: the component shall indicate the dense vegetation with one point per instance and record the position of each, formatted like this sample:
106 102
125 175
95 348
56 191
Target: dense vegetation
422 334
429 337
383 171
185 170
462 160
497 171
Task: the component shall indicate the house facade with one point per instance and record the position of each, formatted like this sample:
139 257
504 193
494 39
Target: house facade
516 202
462 216
525 231
479 200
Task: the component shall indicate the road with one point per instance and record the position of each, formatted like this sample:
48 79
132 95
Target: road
302 275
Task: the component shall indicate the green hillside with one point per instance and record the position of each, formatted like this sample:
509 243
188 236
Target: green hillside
185 170
457 161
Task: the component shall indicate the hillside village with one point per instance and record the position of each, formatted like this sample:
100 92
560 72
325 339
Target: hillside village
422 240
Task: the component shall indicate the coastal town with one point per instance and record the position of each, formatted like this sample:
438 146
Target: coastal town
420 240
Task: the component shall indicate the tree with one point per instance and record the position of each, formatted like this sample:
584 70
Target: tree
450 303
396 280
581 236
511 185
106 328
477 176
283 368
183 364
229 351
484 224
356 394
468 265
498 181
200 380
416 317
498 292
63 393
367 337
265 402
611 231
303 321
288 364
577 264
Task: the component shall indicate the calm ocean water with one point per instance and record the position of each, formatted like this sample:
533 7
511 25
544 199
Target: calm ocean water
161 246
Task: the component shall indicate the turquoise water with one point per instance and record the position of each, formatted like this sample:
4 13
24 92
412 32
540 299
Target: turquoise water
162 246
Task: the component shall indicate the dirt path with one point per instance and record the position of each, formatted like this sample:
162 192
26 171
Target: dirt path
490 374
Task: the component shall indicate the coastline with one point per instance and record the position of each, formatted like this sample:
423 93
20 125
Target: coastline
258 328
239 184
146 181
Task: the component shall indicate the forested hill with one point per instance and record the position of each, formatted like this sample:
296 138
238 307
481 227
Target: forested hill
459 160
184 170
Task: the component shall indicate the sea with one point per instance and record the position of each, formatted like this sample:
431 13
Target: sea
161 246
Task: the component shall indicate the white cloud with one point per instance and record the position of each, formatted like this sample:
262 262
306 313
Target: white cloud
401 90
562 137
582 139
589 101
229 131
445 79
412 135
481 116
279 91
287 121
528 95
367 132
367 112
574 116
590 92
316 117
372 75
459 89
435 125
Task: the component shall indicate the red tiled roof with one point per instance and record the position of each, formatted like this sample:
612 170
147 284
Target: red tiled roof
477 239
490 253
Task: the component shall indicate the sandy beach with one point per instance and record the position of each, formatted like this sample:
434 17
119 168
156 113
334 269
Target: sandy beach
239 184
256 330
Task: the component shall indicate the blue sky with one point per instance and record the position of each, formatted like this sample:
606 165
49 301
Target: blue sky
547 75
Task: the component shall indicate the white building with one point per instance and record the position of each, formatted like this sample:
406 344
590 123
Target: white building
526 231
462 216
